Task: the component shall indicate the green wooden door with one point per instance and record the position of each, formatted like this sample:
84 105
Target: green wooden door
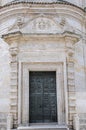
42 99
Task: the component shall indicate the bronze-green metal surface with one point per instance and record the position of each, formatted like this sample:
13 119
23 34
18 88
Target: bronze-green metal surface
42 99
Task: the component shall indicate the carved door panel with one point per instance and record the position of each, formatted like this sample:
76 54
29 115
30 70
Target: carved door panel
43 106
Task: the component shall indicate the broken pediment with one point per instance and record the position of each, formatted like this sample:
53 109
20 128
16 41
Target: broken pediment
36 25
41 24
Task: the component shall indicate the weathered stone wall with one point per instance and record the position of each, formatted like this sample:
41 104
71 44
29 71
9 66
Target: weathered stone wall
4 77
4 84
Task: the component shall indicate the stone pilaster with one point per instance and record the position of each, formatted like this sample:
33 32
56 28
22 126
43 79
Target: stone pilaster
70 81
14 85
9 122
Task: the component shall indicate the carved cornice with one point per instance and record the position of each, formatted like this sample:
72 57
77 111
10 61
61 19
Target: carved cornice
52 9
18 36
42 2
11 37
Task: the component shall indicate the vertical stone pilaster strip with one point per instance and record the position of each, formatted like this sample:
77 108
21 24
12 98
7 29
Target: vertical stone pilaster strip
70 81
60 98
25 93
14 85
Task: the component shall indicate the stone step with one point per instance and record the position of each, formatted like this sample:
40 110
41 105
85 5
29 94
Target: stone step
50 127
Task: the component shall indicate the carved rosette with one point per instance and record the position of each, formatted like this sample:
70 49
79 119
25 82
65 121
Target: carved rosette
14 85
70 81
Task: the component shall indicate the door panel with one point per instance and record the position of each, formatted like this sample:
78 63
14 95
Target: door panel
43 104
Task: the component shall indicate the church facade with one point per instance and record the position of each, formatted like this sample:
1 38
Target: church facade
43 65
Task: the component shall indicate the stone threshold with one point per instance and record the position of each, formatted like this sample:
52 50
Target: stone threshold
43 127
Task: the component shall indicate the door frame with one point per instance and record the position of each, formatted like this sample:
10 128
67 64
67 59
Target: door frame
23 108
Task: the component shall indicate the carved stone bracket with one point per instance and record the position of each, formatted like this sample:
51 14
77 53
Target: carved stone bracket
13 51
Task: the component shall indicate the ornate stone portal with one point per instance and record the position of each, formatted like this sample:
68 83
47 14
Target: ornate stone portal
42 52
